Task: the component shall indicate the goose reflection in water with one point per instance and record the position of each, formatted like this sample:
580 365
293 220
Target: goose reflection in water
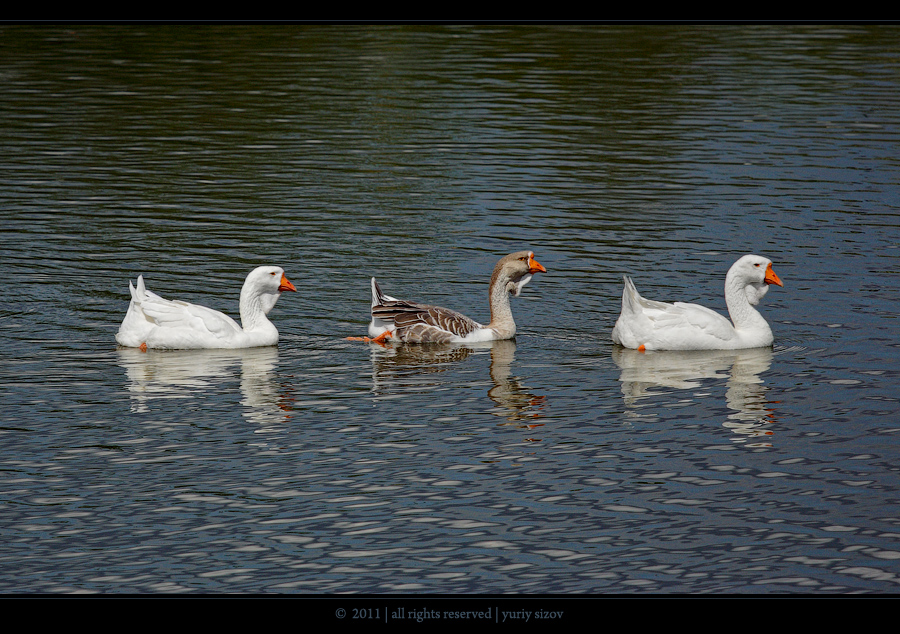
182 374
412 365
514 401
641 372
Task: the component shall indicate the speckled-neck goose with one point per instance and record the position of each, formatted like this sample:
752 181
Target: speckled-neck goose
154 322
649 325
410 322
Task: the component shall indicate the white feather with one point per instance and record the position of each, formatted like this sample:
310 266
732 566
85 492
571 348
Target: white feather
162 323
657 325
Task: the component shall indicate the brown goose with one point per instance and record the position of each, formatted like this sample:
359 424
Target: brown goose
421 323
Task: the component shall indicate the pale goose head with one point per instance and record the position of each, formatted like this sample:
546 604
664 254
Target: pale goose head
265 284
753 274
515 271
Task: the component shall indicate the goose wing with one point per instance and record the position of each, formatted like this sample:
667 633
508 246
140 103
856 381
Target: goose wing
421 323
689 325
183 316
418 323
662 325
433 324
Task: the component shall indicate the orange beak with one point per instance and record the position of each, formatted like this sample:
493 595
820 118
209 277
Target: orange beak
771 277
534 266
286 285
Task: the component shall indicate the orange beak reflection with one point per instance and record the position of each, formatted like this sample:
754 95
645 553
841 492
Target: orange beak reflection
286 285
771 277
534 266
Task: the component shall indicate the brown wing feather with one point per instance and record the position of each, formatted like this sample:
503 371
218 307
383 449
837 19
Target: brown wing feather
390 310
423 323
419 323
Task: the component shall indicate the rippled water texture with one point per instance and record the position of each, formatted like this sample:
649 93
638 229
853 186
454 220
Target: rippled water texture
555 463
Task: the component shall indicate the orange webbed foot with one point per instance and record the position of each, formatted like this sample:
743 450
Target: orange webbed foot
380 339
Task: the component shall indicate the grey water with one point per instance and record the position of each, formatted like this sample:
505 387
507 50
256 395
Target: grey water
421 154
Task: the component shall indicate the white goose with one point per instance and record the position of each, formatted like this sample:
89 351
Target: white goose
421 323
154 322
649 325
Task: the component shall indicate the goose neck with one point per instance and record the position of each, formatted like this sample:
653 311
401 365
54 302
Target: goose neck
742 312
501 312
254 308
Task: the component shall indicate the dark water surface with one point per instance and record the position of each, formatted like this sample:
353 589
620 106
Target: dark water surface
555 463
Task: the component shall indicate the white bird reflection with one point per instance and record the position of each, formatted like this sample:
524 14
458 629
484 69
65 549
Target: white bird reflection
178 374
682 370
415 364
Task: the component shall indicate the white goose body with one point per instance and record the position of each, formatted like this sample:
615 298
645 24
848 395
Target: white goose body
411 322
645 324
154 322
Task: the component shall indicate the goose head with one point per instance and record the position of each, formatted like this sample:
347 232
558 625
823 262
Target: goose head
515 271
266 283
753 274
